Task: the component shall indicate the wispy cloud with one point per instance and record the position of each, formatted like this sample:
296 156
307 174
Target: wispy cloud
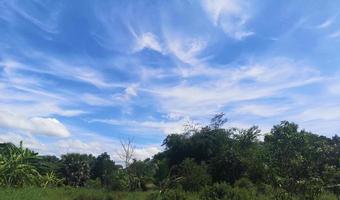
328 22
143 70
230 15
250 82
164 127
147 40
185 49
335 34
45 20
262 110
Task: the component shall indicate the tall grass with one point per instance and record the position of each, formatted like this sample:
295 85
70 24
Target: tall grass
32 193
68 193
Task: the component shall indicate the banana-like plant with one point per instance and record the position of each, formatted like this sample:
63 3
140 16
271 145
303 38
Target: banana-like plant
18 166
50 179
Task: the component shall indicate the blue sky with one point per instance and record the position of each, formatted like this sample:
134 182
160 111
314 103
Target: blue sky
82 75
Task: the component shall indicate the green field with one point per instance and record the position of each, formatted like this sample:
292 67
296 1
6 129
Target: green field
68 193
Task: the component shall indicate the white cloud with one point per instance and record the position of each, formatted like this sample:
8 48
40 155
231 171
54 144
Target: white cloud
186 50
28 140
334 34
326 23
147 40
320 112
129 92
165 127
262 110
34 125
87 143
61 69
147 152
250 82
96 100
46 20
334 88
230 15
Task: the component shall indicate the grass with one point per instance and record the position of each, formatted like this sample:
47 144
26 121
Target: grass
68 194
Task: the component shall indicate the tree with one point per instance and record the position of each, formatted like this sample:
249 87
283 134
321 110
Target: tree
76 168
127 152
50 164
226 166
218 121
141 174
293 158
126 155
193 176
104 169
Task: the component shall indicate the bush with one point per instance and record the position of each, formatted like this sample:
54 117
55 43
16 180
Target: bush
93 183
223 191
195 176
177 194
118 181
243 194
244 183
94 197
216 191
264 189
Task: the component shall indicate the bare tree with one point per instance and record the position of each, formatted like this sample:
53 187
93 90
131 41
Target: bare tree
127 152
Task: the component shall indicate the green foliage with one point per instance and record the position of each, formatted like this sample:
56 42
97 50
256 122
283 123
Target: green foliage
294 160
50 180
244 183
194 176
141 174
226 166
119 181
18 166
216 162
104 169
216 192
176 194
75 169
224 191
68 193
162 172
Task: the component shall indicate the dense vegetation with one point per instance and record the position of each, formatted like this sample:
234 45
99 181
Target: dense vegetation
209 163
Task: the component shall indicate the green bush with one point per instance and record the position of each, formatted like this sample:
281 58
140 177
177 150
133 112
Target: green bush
177 194
244 183
243 194
264 189
94 197
93 183
194 176
223 191
216 191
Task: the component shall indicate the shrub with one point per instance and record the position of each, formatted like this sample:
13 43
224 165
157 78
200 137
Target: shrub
223 191
95 197
194 176
243 194
177 194
216 192
93 183
244 183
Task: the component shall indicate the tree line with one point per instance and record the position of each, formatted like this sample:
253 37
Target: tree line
217 162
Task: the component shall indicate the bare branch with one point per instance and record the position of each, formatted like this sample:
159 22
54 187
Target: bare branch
127 152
